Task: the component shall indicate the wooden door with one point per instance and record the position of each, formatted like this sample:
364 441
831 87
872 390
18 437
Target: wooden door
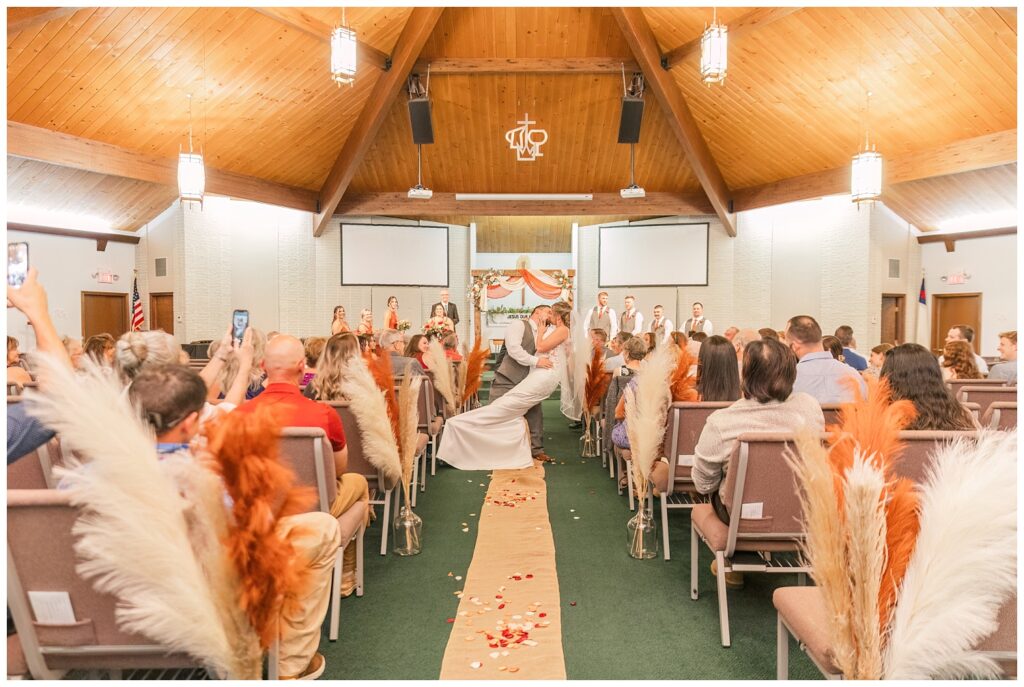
161 311
893 318
104 313
951 309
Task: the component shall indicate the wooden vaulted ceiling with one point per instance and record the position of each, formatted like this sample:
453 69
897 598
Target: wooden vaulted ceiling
274 127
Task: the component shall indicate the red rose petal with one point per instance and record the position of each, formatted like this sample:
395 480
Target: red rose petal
529 576
450 620
572 603
542 615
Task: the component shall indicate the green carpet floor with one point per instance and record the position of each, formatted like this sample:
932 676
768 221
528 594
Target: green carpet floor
621 618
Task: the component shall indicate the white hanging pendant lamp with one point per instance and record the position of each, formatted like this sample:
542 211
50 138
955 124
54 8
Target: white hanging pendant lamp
191 171
714 52
343 53
866 172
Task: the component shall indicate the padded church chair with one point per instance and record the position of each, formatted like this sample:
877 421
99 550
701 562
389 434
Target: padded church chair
956 384
35 470
919 445
1001 415
986 395
831 413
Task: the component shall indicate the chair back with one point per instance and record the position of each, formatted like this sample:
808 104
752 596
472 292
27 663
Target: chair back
831 413
685 422
427 407
1001 645
974 409
40 558
1001 415
309 454
35 470
760 492
919 446
986 395
956 384
614 393
357 461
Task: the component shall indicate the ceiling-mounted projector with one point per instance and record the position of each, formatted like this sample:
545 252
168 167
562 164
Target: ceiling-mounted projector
418 191
632 191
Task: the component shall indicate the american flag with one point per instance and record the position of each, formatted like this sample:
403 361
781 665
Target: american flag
137 318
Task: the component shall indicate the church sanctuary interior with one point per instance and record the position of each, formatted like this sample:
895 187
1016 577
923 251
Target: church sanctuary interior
512 343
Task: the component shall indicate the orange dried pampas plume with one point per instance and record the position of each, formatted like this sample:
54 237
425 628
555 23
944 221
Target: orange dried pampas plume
682 383
598 380
245 451
379 365
474 369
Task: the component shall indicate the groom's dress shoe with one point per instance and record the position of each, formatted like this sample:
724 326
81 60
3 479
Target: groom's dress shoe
544 458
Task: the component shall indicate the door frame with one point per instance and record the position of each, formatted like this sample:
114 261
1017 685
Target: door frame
107 294
901 321
152 310
935 320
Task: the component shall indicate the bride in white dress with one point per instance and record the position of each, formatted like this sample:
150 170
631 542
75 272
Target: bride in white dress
496 436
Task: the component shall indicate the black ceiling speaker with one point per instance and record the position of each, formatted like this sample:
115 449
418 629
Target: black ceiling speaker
419 115
629 122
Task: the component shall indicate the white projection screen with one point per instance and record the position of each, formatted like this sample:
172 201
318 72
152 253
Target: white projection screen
653 255
383 255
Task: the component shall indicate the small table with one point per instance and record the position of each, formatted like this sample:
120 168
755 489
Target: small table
496 345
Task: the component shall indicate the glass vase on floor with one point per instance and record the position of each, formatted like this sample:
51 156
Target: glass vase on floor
642 535
408 532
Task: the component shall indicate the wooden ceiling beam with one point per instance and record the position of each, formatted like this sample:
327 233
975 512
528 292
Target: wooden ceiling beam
101 238
21 18
398 204
755 19
526 65
44 145
414 36
951 239
644 45
300 19
981 152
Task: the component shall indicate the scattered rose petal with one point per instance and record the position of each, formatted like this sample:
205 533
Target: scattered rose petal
572 510
502 669
475 665
450 620
542 615
513 669
458 578
494 654
470 638
517 617
575 517
529 576
504 653
465 529
529 642
572 603
449 574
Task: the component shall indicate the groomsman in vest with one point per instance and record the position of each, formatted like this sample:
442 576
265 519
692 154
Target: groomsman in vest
450 311
632 321
661 326
602 317
697 323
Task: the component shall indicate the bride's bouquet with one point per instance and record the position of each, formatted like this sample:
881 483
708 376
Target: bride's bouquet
438 327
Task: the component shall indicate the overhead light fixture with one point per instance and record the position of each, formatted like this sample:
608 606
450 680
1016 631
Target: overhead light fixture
343 53
524 196
191 171
419 190
714 52
866 172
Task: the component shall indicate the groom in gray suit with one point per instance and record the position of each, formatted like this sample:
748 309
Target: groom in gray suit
517 356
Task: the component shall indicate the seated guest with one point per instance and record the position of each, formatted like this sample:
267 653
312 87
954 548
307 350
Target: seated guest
730 333
851 357
599 338
768 333
875 361
284 363
741 340
172 398
394 343
617 359
100 348
635 351
680 339
75 350
365 322
649 342
1007 370
451 347
913 374
957 361
718 377
963 332
16 373
834 347
699 337
331 367
231 368
313 346
818 373
417 348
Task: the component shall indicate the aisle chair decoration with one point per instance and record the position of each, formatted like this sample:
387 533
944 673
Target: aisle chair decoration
646 410
593 392
682 384
379 364
459 383
475 367
408 527
911 580
441 373
171 562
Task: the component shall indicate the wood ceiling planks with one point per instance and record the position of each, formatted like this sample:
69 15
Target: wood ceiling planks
927 203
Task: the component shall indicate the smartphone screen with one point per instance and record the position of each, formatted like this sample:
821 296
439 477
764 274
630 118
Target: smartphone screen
17 264
239 321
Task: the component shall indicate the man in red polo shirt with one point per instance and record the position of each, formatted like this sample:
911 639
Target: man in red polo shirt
284 361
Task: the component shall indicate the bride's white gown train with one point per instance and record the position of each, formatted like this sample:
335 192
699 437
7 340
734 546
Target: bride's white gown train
496 436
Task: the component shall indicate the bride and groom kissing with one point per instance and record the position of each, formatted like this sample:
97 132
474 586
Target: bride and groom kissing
508 432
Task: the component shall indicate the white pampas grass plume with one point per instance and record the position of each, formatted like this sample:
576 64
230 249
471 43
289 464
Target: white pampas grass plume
964 565
441 373
133 539
370 409
408 420
646 410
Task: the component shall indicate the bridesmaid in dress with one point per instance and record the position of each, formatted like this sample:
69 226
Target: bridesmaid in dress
365 322
339 325
391 318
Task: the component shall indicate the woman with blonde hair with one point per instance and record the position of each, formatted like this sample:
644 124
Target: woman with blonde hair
339 324
332 366
228 371
75 350
365 322
100 347
313 346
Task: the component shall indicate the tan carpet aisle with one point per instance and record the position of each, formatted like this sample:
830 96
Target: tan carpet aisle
508 625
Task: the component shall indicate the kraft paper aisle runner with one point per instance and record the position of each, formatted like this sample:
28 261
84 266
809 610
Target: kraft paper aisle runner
508 625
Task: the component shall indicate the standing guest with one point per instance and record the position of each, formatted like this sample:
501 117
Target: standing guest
963 332
100 348
730 333
913 374
16 373
339 324
451 347
769 333
661 326
439 322
718 377
332 368
313 347
75 351
876 359
851 357
631 321
391 316
447 309
818 373
697 322
602 317
394 343
617 359
1006 370
833 346
417 348
365 322
957 361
